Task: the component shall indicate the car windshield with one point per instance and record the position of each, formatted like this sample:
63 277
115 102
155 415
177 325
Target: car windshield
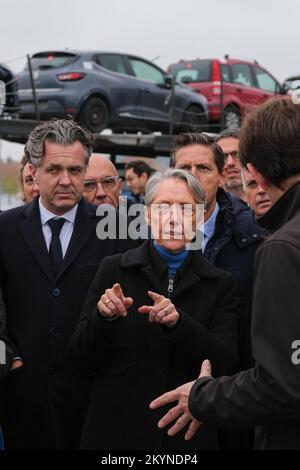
4 73
293 83
192 72
51 60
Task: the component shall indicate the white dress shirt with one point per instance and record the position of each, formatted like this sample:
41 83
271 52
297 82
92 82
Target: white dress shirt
67 228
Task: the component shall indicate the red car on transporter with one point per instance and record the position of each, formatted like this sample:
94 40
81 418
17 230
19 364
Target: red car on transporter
230 86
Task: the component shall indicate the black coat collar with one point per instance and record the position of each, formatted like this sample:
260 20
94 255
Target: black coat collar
146 255
195 268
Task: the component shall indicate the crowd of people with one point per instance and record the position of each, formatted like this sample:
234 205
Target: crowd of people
100 332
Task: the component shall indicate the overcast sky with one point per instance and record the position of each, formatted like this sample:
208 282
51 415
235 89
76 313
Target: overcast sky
266 30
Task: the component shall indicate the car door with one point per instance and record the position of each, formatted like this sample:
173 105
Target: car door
244 85
154 94
267 86
123 85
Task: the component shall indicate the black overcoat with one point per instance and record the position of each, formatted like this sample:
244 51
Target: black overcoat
135 361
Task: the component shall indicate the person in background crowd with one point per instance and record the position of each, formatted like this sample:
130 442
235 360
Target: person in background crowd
49 254
150 316
256 196
29 188
267 395
102 184
6 361
137 174
228 140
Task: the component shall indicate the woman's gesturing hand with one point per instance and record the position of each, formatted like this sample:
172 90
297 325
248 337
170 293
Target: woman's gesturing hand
163 311
113 303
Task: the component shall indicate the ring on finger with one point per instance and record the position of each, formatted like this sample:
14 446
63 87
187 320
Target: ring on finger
166 311
107 301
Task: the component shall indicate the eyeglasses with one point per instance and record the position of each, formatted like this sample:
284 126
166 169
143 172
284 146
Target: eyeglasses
107 183
184 209
234 155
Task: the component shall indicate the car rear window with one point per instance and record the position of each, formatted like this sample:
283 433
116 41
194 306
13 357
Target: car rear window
51 60
192 72
241 74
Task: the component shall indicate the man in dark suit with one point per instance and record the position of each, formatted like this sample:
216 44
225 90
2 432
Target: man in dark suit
49 255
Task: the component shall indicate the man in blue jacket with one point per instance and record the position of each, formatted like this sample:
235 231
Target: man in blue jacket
231 234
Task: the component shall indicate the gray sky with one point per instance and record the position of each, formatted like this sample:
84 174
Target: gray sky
267 30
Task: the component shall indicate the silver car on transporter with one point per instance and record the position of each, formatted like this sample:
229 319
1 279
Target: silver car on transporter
109 90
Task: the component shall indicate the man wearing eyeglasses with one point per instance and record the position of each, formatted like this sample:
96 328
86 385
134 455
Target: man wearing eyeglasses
228 140
102 184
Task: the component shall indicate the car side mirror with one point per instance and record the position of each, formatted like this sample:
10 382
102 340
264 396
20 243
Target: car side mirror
283 89
186 79
169 81
292 85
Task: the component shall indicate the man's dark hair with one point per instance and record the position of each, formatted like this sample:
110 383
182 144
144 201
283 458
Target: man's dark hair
270 139
189 138
139 167
235 133
59 131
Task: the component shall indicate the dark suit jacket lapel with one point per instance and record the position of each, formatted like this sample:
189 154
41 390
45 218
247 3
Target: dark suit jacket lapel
84 227
31 231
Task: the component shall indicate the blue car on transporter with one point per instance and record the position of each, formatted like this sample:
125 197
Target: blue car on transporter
108 90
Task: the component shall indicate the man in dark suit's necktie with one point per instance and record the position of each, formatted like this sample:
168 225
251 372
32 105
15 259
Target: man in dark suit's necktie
55 249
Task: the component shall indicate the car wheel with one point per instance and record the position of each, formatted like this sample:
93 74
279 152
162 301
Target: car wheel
232 118
94 115
194 119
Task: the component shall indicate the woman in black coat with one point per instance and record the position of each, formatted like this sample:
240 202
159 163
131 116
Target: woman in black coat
151 317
